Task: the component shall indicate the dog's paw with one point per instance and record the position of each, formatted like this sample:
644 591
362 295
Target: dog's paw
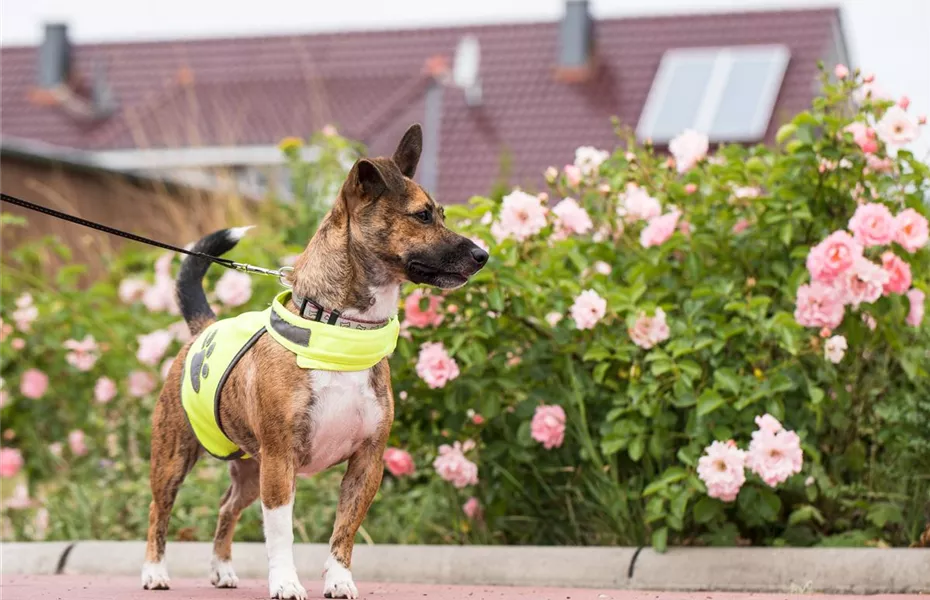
155 576
222 574
337 581
284 585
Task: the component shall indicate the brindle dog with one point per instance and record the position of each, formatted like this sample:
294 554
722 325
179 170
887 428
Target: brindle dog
383 229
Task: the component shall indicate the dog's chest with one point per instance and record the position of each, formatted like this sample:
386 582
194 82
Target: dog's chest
345 412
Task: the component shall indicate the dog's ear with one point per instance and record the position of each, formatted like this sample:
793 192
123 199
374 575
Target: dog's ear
408 150
365 182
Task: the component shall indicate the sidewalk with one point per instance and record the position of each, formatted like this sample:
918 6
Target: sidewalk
84 587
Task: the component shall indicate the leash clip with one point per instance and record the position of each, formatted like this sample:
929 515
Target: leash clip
281 273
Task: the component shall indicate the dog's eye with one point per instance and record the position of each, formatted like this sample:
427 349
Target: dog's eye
424 216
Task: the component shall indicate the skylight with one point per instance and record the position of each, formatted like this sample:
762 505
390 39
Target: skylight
726 93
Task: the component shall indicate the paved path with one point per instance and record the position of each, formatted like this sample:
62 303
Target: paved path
83 587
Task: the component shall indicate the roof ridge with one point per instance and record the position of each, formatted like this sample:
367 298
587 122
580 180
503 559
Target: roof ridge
444 28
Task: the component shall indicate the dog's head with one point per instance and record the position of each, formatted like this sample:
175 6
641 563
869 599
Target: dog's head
398 222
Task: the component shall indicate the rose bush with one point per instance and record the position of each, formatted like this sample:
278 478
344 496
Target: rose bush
721 346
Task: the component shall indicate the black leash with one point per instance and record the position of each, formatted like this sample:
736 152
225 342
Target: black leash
223 262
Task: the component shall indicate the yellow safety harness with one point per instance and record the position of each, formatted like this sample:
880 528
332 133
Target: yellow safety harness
315 344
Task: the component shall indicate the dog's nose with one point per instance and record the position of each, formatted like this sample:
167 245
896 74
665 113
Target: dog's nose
479 255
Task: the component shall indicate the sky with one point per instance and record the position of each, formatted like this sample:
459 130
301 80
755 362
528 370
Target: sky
887 37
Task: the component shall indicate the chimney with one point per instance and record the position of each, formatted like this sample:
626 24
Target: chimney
54 57
576 43
58 85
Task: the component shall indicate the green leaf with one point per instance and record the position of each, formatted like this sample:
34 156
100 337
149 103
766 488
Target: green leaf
805 514
660 539
785 233
691 368
709 402
706 509
784 132
636 448
884 514
727 379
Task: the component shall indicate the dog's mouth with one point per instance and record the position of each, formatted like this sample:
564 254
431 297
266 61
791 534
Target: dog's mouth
420 272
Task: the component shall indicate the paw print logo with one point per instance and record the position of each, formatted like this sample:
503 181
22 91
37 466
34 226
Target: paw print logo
199 367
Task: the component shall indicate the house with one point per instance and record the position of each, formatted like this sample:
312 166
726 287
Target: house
496 101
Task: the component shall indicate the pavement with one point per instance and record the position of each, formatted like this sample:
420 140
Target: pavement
103 587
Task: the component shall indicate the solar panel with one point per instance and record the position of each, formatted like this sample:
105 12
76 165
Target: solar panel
727 93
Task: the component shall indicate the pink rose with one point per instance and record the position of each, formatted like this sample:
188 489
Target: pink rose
160 296
131 290
637 205
897 128
834 349
166 367
452 466
551 174
768 423
873 225
152 346
472 508
832 257
864 282
329 131
899 273
419 317
17 343
740 226
140 383
689 148
104 390
572 175
819 305
83 354
588 309
33 384
435 366
659 229
234 288
916 314
904 102
589 159
721 468
522 215
690 188
774 455
26 312
180 331
11 461
548 426
912 230
398 462
570 218
553 318
879 165
863 135
76 443
840 71
648 331
603 268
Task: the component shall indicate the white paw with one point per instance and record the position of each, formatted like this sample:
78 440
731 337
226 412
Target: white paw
222 574
337 581
155 576
284 584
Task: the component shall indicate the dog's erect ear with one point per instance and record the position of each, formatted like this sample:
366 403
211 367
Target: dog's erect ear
366 182
408 150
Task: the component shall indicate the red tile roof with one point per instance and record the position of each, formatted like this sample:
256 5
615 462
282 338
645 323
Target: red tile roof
371 85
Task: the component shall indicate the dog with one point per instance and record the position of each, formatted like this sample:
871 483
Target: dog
284 419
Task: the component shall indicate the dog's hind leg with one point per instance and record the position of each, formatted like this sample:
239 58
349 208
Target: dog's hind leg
174 452
243 490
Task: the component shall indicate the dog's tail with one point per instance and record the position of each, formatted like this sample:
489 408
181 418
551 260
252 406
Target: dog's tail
193 301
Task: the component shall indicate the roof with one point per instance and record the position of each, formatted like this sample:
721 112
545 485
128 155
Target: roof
371 85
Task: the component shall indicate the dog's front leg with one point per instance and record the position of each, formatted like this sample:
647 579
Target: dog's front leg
277 493
359 486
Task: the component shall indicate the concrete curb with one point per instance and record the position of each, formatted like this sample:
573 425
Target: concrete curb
791 570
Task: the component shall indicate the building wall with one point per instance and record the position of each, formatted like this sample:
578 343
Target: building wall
173 214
